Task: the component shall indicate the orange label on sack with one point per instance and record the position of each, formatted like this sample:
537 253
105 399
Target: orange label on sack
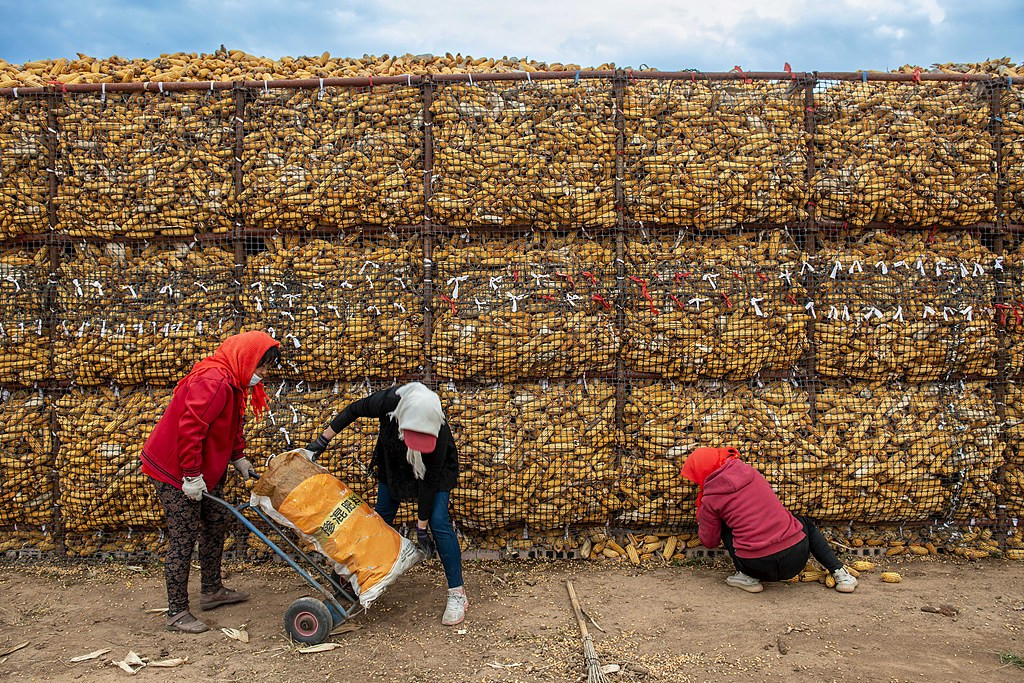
348 530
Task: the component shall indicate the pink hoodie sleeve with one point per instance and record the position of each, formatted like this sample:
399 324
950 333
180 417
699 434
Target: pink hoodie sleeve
709 526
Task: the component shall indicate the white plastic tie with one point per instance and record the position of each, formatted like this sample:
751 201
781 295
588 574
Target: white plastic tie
968 313
898 315
978 270
998 264
471 78
697 300
757 309
787 276
457 281
15 93
809 306
710 278
103 92
804 265
320 95
881 266
160 86
835 269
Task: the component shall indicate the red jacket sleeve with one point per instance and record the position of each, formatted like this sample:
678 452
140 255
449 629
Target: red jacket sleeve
709 526
204 399
238 451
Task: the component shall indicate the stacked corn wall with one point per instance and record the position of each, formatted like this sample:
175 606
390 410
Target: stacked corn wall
598 274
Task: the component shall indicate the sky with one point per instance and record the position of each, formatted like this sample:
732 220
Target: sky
712 35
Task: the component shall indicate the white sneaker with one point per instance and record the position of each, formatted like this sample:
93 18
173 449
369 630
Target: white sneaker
455 612
747 583
845 581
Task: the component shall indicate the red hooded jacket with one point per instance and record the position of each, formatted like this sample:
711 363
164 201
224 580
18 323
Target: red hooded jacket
201 430
739 496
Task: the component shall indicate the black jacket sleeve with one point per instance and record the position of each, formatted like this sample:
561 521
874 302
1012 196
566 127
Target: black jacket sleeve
377 405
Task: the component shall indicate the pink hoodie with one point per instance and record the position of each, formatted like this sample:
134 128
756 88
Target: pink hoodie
738 496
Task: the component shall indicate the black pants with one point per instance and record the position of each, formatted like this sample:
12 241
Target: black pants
188 520
787 563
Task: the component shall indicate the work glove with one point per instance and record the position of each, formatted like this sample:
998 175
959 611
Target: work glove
317 447
244 468
193 487
307 454
426 541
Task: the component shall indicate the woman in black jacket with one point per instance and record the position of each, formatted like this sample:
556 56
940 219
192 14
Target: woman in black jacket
415 459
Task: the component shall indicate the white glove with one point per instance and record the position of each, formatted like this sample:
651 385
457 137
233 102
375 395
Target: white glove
193 487
244 468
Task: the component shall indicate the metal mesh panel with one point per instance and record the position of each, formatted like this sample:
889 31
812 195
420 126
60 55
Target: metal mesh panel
145 164
1012 107
24 316
919 154
714 307
769 424
524 154
914 305
535 305
714 155
345 307
101 432
26 458
131 312
539 454
336 157
21 544
24 160
1013 473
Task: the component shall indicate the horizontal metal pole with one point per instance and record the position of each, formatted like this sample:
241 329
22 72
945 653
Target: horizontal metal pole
413 80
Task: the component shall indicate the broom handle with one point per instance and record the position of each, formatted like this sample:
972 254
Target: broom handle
576 608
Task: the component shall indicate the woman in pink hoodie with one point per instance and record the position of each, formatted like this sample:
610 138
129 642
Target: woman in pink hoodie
737 507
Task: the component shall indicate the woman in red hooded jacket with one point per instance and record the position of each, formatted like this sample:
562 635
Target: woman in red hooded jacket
188 453
737 507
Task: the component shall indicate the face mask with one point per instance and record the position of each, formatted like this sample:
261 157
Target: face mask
256 379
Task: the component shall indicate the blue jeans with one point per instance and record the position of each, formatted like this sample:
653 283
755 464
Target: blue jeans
440 526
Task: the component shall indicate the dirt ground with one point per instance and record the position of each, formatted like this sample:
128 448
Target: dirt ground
672 623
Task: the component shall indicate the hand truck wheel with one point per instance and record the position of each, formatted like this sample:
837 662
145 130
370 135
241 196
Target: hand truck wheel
307 620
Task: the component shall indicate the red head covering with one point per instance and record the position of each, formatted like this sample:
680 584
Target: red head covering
703 462
238 356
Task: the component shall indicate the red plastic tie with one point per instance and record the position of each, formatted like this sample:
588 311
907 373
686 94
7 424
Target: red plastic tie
788 69
547 297
792 300
693 77
764 278
1002 308
743 76
371 82
678 302
515 275
63 86
727 301
737 275
932 234
590 276
568 278
917 74
601 300
450 302
644 292
632 78
680 275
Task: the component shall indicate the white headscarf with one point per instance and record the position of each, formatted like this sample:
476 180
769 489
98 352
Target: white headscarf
419 410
